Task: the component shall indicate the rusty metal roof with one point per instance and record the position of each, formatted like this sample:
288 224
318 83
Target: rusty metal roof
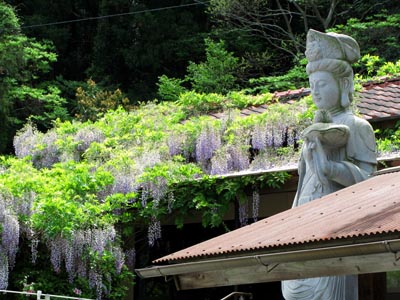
368 209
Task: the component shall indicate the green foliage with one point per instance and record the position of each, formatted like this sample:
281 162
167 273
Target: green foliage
370 63
9 22
23 93
169 89
20 176
295 78
217 73
389 69
388 140
66 198
377 35
93 102
213 195
135 50
195 104
49 104
373 66
32 279
200 103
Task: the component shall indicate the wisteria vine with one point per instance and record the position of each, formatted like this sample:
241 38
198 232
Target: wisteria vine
149 153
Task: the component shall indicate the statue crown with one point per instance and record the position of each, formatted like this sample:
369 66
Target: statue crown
331 46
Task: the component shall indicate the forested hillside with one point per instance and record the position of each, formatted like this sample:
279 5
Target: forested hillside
156 49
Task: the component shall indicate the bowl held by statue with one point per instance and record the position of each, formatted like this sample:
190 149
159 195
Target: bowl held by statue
330 134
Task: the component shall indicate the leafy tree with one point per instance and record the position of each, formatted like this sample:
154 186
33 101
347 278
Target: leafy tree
134 50
129 51
73 41
295 78
281 25
217 73
378 35
93 102
169 89
24 94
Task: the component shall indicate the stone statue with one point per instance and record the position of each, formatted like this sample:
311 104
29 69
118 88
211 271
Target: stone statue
339 148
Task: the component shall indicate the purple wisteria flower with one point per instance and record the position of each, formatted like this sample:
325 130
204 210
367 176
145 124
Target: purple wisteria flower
88 135
256 204
259 137
154 231
130 258
124 181
119 257
175 144
219 163
26 140
48 154
10 238
3 271
208 141
243 213
57 251
239 157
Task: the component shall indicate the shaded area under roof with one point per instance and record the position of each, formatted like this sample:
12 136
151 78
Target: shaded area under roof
355 230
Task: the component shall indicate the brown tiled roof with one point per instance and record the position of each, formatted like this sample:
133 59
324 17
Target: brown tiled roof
380 100
365 210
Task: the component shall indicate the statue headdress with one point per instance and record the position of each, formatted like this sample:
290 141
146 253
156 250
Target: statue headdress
335 53
331 46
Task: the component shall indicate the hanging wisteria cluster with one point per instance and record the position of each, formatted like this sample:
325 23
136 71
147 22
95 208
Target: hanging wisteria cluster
10 234
208 141
176 143
243 213
86 136
77 254
26 141
275 134
255 204
80 253
156 190
41 147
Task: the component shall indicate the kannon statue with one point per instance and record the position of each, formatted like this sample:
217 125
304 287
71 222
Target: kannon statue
339 148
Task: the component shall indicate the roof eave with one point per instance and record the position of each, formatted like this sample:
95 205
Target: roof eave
359 258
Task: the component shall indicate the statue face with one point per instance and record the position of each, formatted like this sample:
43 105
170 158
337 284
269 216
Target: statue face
325 90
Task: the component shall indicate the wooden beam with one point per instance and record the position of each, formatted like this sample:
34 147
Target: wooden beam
361 264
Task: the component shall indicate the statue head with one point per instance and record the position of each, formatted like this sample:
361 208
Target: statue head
330 56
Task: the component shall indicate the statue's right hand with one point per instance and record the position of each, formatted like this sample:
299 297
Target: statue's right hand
308 153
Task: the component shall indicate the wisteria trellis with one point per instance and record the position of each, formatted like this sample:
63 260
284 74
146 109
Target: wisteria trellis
132 147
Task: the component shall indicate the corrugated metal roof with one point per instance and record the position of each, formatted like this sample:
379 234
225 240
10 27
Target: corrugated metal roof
369 208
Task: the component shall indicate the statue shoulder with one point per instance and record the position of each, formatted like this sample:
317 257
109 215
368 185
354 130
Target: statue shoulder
366 133
362 145
362 122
